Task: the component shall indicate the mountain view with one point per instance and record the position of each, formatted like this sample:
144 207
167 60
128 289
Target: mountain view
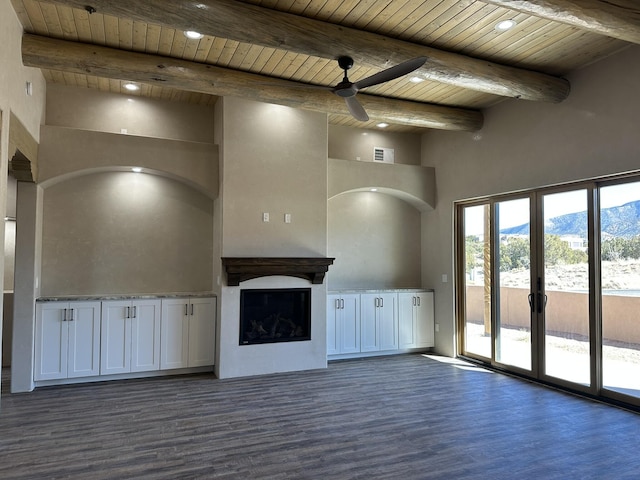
620 221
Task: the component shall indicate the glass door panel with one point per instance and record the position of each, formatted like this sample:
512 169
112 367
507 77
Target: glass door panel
564 296
477 281
620 273
513 282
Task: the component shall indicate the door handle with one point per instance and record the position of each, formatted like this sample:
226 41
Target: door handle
71 315
192 309
64 315
541 304
134 312
531 306
128 315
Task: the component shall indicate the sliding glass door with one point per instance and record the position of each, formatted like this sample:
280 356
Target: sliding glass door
497 282
564 293
620 272
513 283
549 286
477 280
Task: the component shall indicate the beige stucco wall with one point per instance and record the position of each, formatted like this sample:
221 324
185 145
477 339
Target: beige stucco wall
14 100
412 183
375 239
13 78
67 152
274 159
357 144
126 232
110 112
526 145
123 233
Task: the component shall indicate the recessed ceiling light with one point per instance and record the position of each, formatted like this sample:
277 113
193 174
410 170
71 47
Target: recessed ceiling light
136 169
132 87
382 125
505 25
193 35
416 79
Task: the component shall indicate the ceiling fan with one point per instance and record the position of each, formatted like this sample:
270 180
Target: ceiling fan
348 90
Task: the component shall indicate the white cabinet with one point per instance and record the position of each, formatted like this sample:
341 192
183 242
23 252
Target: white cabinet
415 319
187 332
67 340
378 322
343 324
130 336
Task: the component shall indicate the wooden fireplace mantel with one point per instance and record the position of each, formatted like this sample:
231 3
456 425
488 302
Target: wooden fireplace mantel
240 269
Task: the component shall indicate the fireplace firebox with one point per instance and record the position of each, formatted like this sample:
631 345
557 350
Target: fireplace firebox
275 315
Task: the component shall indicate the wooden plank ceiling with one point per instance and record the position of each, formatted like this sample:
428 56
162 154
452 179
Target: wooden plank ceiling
538 51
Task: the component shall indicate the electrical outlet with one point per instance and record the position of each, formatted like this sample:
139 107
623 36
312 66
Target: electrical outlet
287 218
437 327
265 216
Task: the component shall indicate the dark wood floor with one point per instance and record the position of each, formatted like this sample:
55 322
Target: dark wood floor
400 417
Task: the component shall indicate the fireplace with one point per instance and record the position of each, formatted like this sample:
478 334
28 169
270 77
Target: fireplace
275 315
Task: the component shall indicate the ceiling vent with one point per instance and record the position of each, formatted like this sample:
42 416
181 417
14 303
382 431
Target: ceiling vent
384 155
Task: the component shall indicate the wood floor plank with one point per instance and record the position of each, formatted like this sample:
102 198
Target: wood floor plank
398 417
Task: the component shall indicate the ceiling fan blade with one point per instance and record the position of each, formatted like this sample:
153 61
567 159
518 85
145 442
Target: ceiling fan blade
391 73
356 109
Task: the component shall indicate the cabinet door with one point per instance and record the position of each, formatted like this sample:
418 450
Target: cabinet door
174 333
145 335
333 324
388 321
51 342
369 327
407 337
202 325
115 337
83 358
350 324
425 320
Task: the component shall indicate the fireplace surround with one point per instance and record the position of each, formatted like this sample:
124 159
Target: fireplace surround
273 315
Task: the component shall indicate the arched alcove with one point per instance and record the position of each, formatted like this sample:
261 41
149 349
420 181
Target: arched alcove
120 232
375 238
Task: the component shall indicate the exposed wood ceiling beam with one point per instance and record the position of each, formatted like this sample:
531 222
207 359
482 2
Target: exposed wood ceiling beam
618 18
45 52
257 25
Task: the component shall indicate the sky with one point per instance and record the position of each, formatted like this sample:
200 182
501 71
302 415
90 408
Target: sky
516 212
